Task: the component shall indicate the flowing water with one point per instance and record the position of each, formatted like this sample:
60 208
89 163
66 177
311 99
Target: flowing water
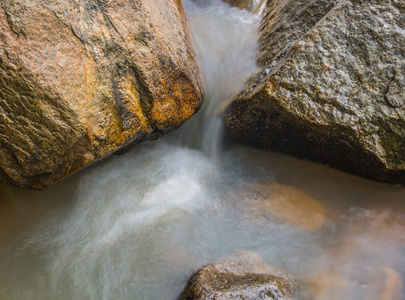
136 226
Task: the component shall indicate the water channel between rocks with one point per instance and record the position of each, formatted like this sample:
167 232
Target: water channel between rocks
138 225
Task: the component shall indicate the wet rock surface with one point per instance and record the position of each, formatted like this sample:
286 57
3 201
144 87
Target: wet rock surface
331 86
80 80
244 275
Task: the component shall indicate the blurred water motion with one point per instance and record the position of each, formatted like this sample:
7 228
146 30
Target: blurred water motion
136 226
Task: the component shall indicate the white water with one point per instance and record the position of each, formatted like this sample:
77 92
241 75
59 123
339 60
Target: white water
136 226
225 41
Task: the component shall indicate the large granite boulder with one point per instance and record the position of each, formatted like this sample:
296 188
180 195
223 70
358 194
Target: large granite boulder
81 79
244 275
331 87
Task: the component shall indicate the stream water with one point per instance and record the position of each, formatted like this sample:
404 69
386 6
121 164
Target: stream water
138 225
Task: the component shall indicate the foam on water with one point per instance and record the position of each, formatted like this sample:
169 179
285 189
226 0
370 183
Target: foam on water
96 243
156 214
136 226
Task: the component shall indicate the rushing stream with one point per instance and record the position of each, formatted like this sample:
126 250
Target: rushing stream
138 225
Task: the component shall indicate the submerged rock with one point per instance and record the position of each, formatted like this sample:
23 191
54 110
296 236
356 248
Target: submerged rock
385 284
369 240
393 285
331 87
244 275
80 80
286 203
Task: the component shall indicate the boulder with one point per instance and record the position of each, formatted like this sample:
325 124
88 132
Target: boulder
331 86
244 275
80 80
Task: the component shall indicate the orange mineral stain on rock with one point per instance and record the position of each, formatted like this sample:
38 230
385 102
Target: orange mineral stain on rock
98 78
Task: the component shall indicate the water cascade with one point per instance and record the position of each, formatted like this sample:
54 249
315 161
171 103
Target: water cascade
221 39
137 225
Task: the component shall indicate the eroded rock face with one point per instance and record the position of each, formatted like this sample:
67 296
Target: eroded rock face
331 87
80 79
244 275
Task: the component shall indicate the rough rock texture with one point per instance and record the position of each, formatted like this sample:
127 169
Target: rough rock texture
244 275
331 87
80 79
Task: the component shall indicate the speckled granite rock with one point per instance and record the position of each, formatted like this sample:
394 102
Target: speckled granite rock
244 275
331 87
80 79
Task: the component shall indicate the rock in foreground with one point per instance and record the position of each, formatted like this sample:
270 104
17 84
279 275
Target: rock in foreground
331 87
81 79
242 276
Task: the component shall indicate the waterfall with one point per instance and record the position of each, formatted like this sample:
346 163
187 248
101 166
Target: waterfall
225 40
